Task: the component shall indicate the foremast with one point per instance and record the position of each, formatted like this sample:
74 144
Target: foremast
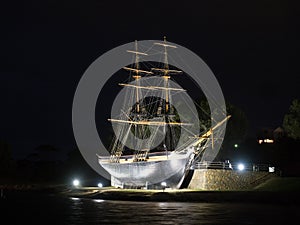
117 150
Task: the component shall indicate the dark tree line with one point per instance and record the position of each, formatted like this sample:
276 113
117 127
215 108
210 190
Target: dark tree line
291 121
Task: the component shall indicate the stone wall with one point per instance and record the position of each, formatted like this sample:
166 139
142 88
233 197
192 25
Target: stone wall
213 179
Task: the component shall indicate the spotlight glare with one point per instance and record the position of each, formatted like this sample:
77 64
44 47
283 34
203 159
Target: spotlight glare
76 182
241 167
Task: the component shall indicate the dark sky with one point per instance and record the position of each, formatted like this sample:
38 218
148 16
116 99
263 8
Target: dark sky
251 46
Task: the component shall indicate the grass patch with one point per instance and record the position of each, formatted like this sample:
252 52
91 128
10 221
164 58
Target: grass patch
280 184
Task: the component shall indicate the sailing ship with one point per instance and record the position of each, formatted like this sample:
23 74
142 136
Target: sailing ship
148 119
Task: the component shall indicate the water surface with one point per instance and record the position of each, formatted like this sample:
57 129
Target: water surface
51 209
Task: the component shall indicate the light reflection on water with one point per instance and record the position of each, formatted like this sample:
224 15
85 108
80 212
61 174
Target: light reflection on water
44 209
122 212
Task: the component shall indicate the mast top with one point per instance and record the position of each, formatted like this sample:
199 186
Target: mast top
136 52
137 69
165 43
166 71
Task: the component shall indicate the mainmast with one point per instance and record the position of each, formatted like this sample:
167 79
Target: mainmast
166 71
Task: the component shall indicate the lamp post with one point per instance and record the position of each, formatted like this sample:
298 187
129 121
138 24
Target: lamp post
164 185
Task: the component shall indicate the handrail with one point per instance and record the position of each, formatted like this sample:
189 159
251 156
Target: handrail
234 166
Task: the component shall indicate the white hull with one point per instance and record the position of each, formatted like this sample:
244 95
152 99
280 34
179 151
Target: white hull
170 169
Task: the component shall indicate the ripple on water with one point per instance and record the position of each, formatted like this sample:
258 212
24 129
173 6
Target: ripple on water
45 209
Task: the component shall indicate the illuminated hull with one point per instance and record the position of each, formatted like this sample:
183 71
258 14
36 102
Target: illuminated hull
149 174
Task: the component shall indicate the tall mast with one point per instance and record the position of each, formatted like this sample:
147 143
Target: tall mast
166 71
137 77
137 72
166 77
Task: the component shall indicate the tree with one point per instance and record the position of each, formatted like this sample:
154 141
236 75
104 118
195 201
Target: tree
204 114
236 128
237 125
236 131
291 121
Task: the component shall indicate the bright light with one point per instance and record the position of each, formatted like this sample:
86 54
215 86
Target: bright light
236 145
271 169
164 184
265 141
100 185
76 182
98 200
241 167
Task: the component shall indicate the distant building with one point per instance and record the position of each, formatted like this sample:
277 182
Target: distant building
278 133
269 135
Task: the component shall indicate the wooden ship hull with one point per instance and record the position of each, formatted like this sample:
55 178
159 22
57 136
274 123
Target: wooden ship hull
151 172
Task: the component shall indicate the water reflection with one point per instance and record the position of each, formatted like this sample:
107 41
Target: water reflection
34 209
119 212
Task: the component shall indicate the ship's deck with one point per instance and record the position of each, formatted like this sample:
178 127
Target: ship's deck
131 159
152 158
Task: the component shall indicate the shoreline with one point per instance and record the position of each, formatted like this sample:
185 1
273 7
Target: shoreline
192 196
281 197
277 190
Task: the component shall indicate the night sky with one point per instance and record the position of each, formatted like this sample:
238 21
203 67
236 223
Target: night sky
251 46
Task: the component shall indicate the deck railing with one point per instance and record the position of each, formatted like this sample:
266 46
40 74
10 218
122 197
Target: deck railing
235 166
